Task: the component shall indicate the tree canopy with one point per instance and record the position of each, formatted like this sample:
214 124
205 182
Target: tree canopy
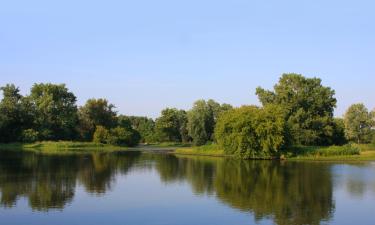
202 120
308 107
358 123
252 132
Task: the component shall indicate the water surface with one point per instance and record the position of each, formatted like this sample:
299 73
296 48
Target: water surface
159 189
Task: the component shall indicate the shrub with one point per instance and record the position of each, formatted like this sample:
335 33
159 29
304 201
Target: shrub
101 135
122 136
252 132
348 149
29 136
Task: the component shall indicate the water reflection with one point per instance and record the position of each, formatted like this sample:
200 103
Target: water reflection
287 193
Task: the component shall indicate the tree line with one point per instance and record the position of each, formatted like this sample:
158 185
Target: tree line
299 111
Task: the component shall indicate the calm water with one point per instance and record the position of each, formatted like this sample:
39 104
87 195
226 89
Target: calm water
155 189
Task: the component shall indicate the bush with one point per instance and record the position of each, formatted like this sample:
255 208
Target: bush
252 132
29 136
101 135
122 136
348 149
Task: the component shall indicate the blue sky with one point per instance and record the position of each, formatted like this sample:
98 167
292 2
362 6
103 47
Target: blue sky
146 55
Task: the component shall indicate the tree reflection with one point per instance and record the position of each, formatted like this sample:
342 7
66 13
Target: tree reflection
289 193
49 181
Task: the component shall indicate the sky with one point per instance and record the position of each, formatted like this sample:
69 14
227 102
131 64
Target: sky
144 56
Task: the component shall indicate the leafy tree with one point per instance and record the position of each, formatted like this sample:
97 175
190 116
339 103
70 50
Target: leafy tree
101 135
202 119
251 132
308 107
16 114
56 111
145 126
123 136
30 136
96 112
338 137
358 123
171 125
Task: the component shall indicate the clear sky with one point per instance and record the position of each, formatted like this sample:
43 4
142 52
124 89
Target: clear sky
146 55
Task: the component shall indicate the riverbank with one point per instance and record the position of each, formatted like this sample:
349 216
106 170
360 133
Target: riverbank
314 153
61 146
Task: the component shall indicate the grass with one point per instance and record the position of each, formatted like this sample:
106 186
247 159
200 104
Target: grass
169 144
350 152
353 152
205 150
58 146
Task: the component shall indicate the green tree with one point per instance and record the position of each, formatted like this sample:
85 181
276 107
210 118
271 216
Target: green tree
358 124
56 111
338 137
202 119
123 136
96 112
170 126
308 107
101 135
145 126
252 132
16 114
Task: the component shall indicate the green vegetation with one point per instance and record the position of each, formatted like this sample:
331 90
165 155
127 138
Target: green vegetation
204 150
358 124
298 112
58 146
202 119
250 132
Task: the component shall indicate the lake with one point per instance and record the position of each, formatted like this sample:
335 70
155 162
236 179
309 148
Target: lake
160 189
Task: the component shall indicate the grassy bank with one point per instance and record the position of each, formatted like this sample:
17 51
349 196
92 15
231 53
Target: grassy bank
331 153
205 150
57 146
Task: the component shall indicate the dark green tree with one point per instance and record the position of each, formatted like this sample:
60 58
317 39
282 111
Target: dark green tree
358 124
56 111
202 119
145 126
96 112
171 125
308 107
16 114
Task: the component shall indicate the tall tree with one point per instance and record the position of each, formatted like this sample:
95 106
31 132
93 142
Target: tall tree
56 111
145 126
202 119
308 105
358 123
96 112
171 125
16 114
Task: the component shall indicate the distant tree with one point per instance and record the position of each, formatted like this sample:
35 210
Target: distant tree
202 119
170 126
308 105
250 132
16 114
338 137
123 136
56 111
96 112
358 124
145 126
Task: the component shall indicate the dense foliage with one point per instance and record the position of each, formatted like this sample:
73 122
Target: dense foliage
252 132
308 106
202 120
358 124
299 111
